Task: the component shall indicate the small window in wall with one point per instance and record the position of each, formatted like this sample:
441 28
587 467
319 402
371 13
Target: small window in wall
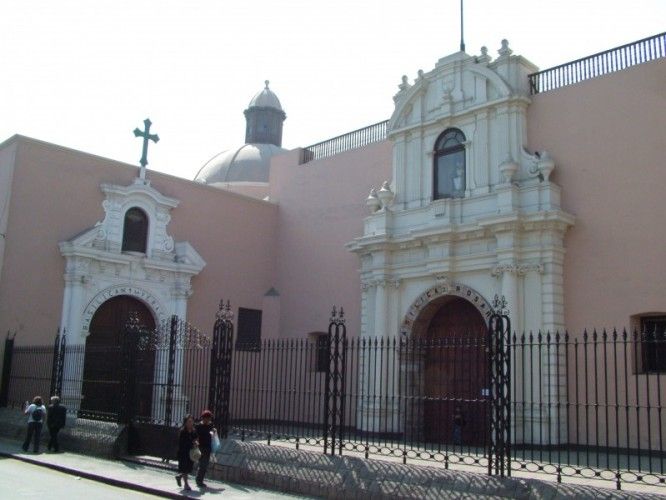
321 355
653 345
248 337
135 231
449 167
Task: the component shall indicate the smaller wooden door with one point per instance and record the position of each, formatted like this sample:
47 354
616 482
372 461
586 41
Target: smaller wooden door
103 364
456 375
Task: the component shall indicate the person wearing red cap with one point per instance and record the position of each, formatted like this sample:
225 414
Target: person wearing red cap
205 431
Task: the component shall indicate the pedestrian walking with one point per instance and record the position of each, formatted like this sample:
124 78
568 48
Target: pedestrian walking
205 431
56 418
458 424
36 414
187 439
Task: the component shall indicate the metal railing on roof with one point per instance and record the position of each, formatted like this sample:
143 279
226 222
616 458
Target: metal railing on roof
609 61
603 63
345 142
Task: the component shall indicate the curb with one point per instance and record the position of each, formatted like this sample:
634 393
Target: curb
94 477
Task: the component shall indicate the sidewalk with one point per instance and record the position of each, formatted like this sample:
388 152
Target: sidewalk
310 474
132 476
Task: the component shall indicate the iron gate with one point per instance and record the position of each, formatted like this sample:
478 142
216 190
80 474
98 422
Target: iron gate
499 365
148 382
220 368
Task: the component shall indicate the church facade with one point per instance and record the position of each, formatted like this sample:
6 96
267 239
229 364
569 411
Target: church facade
480 188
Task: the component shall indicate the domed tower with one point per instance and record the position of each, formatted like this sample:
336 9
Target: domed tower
245 169
264 117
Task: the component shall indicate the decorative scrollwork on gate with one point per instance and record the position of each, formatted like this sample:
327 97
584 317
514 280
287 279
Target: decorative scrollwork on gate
220 367
334 398
499 365
57 370
166 346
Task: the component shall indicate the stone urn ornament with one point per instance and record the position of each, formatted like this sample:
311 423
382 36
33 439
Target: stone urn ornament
372 201
386 195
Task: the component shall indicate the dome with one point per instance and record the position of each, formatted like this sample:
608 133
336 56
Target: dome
247 163
265 99
250 163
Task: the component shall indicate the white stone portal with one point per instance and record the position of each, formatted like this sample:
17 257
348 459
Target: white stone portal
502 235
97 269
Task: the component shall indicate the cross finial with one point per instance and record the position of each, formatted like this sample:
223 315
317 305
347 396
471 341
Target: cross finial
147 136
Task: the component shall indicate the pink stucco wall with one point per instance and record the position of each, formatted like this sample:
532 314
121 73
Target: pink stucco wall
607 136
258 190
56 195
321 208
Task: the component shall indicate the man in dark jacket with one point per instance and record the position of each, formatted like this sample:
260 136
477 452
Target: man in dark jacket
204 429
55 420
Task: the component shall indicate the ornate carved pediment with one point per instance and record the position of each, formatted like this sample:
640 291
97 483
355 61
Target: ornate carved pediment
96 268
457 83
103 241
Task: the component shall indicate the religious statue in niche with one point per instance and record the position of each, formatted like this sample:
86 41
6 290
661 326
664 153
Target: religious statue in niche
458 180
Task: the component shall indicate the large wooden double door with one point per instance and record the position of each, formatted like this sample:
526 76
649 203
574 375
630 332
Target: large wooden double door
106 358
456 375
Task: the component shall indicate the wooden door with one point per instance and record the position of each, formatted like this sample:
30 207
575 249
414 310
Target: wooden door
102 369
456 374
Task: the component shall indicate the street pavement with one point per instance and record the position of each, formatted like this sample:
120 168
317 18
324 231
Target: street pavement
21 480
66 467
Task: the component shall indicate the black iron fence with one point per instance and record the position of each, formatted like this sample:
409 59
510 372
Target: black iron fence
576 405
155 376
351 140
609 61
588 405
395 397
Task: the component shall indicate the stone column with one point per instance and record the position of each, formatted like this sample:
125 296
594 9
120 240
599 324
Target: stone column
399 171
73 304
377 412
538 375
380 308
179 295
554 359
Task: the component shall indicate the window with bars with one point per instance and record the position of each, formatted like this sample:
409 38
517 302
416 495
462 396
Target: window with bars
322 357
248 333
653 343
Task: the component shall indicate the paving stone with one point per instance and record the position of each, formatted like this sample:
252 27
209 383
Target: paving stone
313 473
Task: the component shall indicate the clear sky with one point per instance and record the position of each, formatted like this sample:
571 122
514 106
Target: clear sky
84 74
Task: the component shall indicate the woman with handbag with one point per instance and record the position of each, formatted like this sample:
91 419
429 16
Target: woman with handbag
188 447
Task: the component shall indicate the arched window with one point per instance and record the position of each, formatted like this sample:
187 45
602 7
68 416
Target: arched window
449 168
135 231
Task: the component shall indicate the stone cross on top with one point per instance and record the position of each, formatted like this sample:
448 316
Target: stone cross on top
147 136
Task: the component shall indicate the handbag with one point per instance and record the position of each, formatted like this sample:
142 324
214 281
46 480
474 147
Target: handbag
214 442
195 453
